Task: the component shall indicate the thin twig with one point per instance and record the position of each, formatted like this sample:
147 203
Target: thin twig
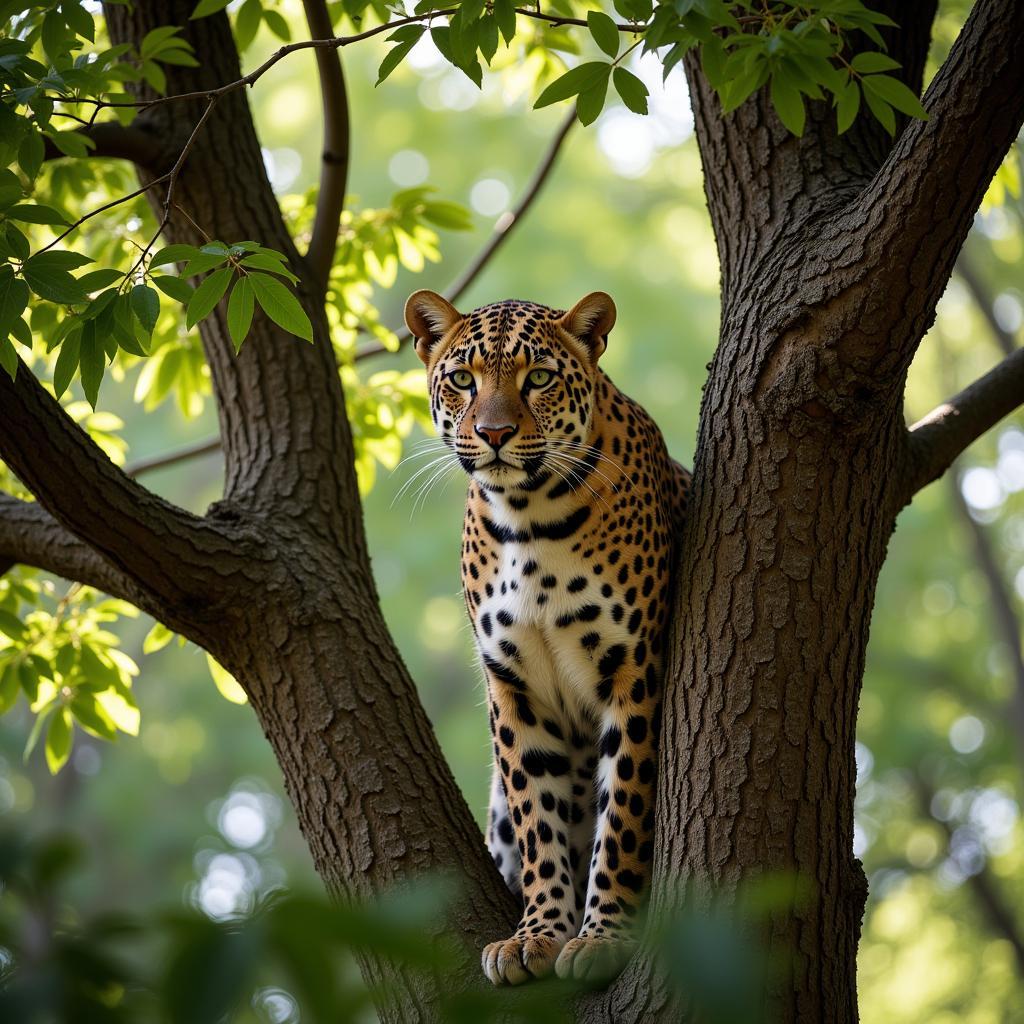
968 273
333 43
172 458
991 901
502 228
334 163
935 441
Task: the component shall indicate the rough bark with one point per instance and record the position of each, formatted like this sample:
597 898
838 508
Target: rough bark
803 462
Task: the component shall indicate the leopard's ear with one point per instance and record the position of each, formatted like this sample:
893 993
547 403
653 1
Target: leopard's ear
429 317
590 320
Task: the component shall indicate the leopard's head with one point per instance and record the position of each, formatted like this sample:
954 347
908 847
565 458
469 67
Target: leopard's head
512 385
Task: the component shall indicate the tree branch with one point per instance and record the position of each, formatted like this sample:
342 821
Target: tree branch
159 547
336 146
1006 623
172 458
982 885
29 535
502 229
918 209
968 273
935 441
113 139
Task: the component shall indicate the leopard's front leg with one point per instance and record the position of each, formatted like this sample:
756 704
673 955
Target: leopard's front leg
623 841
535 768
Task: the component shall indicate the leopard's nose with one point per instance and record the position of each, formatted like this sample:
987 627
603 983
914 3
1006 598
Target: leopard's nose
497 436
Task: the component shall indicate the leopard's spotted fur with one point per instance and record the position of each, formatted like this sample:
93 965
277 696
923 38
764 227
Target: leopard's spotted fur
567 549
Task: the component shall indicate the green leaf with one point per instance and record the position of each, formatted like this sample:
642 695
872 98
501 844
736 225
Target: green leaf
445 214
67 362
31 153
605 34
51 282
33 213
631 89
240 310
145 304
207 7
13 300
574 82
405 41
121 709
58 740
37 731
173 254
203 262
9 688
788 103
281 305
174 287
226 682
872 61
273 264
92 717
91 362
157 639
276 23
8 358
11 626
881 110
847 105
207 295
505 14
97 279
590 102
895 93
247 24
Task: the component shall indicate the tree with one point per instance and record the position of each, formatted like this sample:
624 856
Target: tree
835 247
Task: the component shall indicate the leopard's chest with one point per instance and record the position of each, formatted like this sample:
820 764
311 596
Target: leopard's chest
549 615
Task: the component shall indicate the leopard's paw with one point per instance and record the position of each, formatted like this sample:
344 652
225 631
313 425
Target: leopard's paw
515 960
594 957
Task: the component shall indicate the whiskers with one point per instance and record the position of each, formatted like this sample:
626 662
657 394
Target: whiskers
442 464
581 460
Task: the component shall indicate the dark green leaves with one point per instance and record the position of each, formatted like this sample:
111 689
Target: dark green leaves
207 295
632 91
884 91
281 305
605 34
47 274
145 304
405 39
575 81
788 103
240 310
67 362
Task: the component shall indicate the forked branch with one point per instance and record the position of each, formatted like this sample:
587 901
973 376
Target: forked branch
945 432
158 547
29 535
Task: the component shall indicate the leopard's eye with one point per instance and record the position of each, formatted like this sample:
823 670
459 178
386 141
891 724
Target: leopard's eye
461 378
539 378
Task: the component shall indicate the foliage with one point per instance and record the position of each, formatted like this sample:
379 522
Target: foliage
57 965
799 50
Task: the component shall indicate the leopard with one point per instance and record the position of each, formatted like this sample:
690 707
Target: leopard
572 514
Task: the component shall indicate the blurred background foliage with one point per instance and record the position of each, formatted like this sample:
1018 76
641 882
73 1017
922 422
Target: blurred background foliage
190 811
